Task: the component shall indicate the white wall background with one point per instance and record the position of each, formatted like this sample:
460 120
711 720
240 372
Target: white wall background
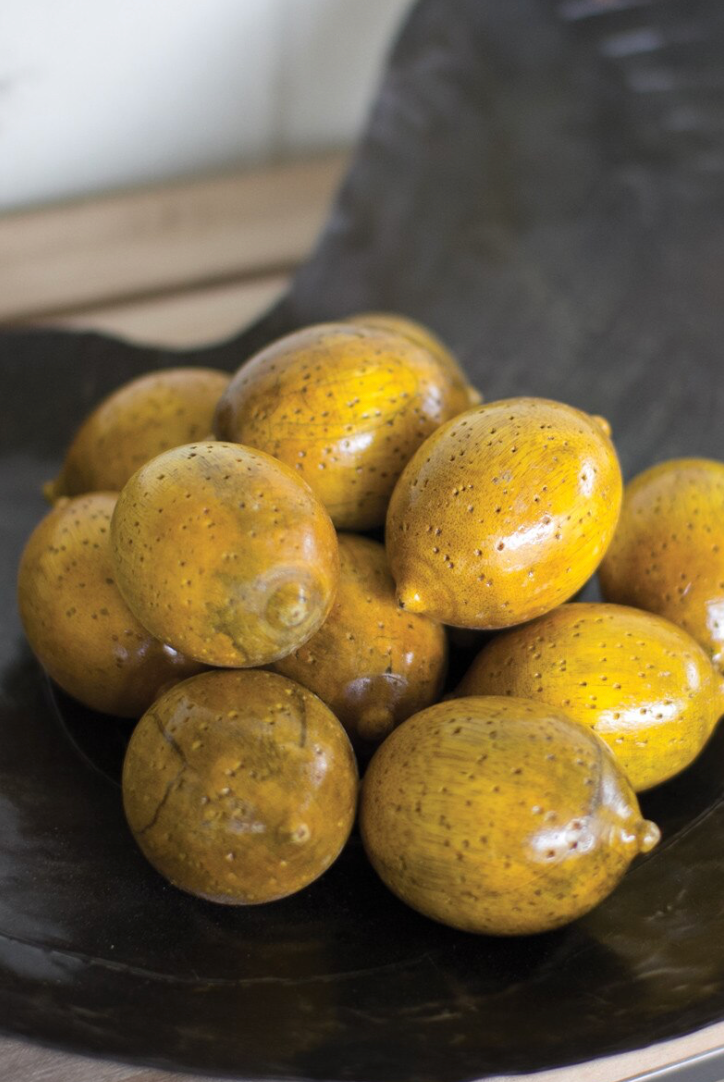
105 94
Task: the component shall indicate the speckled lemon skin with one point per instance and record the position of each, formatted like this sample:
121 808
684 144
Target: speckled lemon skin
78 625
345 406
421 336
500 816
225 553
240 787
639 682
138 421
503 513
667 555
372 663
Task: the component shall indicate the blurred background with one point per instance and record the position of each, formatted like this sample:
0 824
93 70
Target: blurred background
103 96
166 166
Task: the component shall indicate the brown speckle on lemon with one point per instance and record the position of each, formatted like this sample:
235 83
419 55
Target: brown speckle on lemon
499 815
77 623
371 662
544 485
641 683
345 406
240 787
667 554
135 423
225 553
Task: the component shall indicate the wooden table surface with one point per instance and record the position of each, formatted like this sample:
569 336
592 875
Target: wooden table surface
180 265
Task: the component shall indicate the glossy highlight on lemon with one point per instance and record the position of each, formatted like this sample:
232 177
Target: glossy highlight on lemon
370 661
667 555
344 406
225 553
76 621
499 816
240 787
139 420
503 513
642 684
423 336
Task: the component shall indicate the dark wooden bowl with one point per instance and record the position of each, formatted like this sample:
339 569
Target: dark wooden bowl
541 183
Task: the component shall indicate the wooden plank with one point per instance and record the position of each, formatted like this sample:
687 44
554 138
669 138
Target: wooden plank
164 238
181 320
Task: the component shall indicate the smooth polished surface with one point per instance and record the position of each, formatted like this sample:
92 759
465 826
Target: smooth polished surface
422 336
224 553
667 554
240 787
499 815
372 663
142 419
503 513
641 683
78 625
578 256
345 405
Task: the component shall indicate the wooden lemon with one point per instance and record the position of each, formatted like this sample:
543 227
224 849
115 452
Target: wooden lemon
422 336
240 787
503 513
78 625
225 553
141 419
345 406
499 815
641 683
372 663
667 555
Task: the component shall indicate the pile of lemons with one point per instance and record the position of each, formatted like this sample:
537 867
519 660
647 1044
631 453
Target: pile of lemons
191 575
